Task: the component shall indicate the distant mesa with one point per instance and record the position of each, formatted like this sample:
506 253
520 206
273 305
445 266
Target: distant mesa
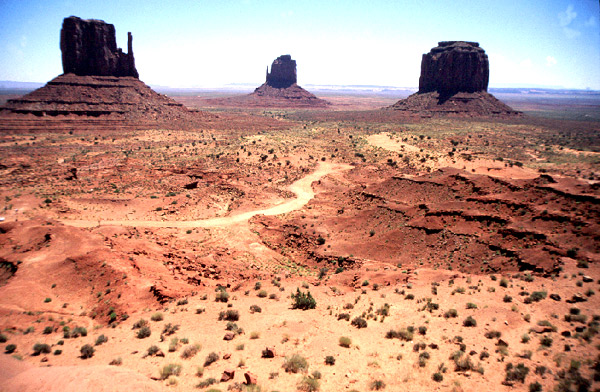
454 81
99 81
279 90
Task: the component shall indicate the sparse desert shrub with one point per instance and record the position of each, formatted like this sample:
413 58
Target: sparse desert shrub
170 329
255 309
222 295
47 330
525 338
503 282
211 358
10 348
140 323
172 369
309 384
190 351
101 339
422 330
437 377
384 310
87 351
57 352
206 383
41 348
515 373
470 322
409 296
143 332
359 322
344 316
257 286
3 338
493 334
303 300
330 360
254 335
295 363
376 385
152 350
158 316
229 315
507 298
345 341
451 313
546 341
403 334
262 294
423 357
537 296
116 362
535 387
471 305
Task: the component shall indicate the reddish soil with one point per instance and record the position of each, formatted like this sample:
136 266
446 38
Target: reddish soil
398 221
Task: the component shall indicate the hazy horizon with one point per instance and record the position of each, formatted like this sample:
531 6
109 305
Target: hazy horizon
195 44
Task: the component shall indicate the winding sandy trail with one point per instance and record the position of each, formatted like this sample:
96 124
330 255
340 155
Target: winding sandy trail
302 188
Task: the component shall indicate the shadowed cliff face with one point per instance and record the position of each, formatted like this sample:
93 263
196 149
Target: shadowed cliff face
453 67
283 72
89 48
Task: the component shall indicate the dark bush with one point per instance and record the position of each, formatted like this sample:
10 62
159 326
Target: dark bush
303 301
87 351
359 322
143 332
41 348
229 315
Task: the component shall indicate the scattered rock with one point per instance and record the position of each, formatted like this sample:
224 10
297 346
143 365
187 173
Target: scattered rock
229 336
283 72
555 297
228 374
587 279
250 378
541 329
269 352
226 356
577 298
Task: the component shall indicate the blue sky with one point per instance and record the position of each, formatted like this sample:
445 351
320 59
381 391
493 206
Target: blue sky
202 43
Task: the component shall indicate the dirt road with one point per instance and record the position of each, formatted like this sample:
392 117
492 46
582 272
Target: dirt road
301 188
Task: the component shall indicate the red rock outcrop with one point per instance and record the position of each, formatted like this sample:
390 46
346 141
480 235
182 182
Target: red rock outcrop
279 90
283 72
453 67
89 47
454 81
100 82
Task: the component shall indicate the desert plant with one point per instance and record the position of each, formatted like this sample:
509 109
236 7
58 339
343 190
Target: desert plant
101 339
140 323
438 377
451 313
87 351
330 360
158 316
471 305
229 315
344 316
10 348
41 348
143 332
190 351
359 322
303 300
309 384
262 294
211 358
376 385
255 309
3 338
515 373
470 322
172 369
153 350
345 341
295 363
170 329
222 295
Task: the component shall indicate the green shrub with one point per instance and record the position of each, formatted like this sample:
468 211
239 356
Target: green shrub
262 294
471 305
170 329
211 358
515 373
303 301
537 296
222 295
376 385
101 339
41 348
451 313
359 322
158 316
190 351
47 330
330 360
205 383
3 338
309 384
438 377
10 348
172 369
143 332
295 363
345 341
344 316
229 315
87 351
255 309
470 322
